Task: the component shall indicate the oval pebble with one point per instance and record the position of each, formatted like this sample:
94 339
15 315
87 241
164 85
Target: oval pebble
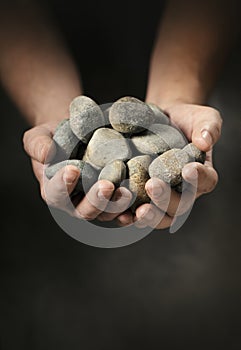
195 154
105 146
168 166
65 140
130 115
138 176
85 117
158 139
114 172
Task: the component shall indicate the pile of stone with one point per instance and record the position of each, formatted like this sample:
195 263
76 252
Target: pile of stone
127 143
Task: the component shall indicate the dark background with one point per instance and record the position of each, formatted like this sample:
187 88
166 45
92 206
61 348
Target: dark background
166 291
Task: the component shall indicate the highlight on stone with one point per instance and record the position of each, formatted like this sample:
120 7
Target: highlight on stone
131 140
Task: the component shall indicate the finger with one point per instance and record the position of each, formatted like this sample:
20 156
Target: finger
207 128
148 215
168 200
161 219
119 203
95 201
125 219
206 175
38 169
38 143
162 195
56 191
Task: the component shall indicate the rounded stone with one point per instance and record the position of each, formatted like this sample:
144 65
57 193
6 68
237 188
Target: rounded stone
65 140
195 154
138 176
130 115
105 146
158 139
114 172
88 175
160 116
85 117
168 166
87 160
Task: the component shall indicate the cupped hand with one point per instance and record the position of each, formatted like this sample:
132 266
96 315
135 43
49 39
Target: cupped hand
202 126
102 196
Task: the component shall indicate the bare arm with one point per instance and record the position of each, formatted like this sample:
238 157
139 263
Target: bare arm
41 77
191 47
192 44
35 67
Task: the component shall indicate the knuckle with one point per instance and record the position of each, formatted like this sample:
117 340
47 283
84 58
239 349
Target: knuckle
26 137
211 183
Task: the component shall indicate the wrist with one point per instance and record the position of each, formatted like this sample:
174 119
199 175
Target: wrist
54 110
53 119
175 91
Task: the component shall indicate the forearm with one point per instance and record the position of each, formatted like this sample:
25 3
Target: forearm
35 67
191 47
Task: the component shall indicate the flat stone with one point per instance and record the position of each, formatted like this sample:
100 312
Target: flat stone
130 115
160 116
65 140
85 117
138 176
196 155
88 175
105 146
158 139
168 166
114 171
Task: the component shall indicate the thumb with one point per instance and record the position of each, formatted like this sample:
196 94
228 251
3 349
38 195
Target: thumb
57 190
207 129
38 143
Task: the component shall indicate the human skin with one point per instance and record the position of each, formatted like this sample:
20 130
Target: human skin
41 77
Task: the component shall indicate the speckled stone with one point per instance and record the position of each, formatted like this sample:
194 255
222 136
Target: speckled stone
130 115
160 116
85 117
138 176
105 146
88 175
158 139
65 140
168 166
114 171
194 153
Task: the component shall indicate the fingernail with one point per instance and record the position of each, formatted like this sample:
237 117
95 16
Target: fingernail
70 176
207 137
149 215
156 192
189 171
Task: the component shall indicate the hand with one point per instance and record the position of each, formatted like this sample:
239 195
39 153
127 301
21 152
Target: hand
202 126
39 145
